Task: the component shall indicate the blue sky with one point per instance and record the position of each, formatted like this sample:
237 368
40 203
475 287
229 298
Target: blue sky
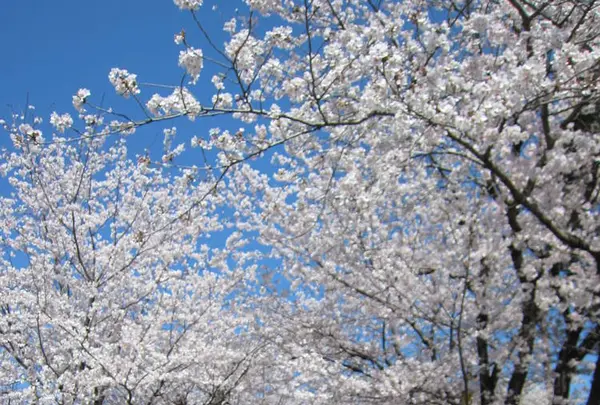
52 48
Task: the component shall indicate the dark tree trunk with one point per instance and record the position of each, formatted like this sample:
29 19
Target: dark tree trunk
563 370
594 398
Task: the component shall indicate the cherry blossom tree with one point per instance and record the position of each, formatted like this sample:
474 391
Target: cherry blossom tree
110 294
431 199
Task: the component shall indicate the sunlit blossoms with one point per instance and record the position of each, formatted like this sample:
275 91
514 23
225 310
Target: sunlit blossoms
125 83
180 102
179 38
80 98
394 203
191 61
61 121
188 4
107 286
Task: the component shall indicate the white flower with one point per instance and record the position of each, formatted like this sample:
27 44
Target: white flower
180 101
230 26
223 100
191 60
188 4
31 133
61 122
124 128
80 98
217 81
280 37
125 83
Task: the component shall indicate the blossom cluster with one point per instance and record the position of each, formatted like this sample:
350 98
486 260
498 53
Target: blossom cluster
180 101
125 83
192 61
188 4
61 122
80 98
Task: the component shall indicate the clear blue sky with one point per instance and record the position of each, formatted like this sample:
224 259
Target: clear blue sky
52 48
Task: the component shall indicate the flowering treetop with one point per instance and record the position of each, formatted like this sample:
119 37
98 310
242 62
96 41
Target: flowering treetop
432 200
